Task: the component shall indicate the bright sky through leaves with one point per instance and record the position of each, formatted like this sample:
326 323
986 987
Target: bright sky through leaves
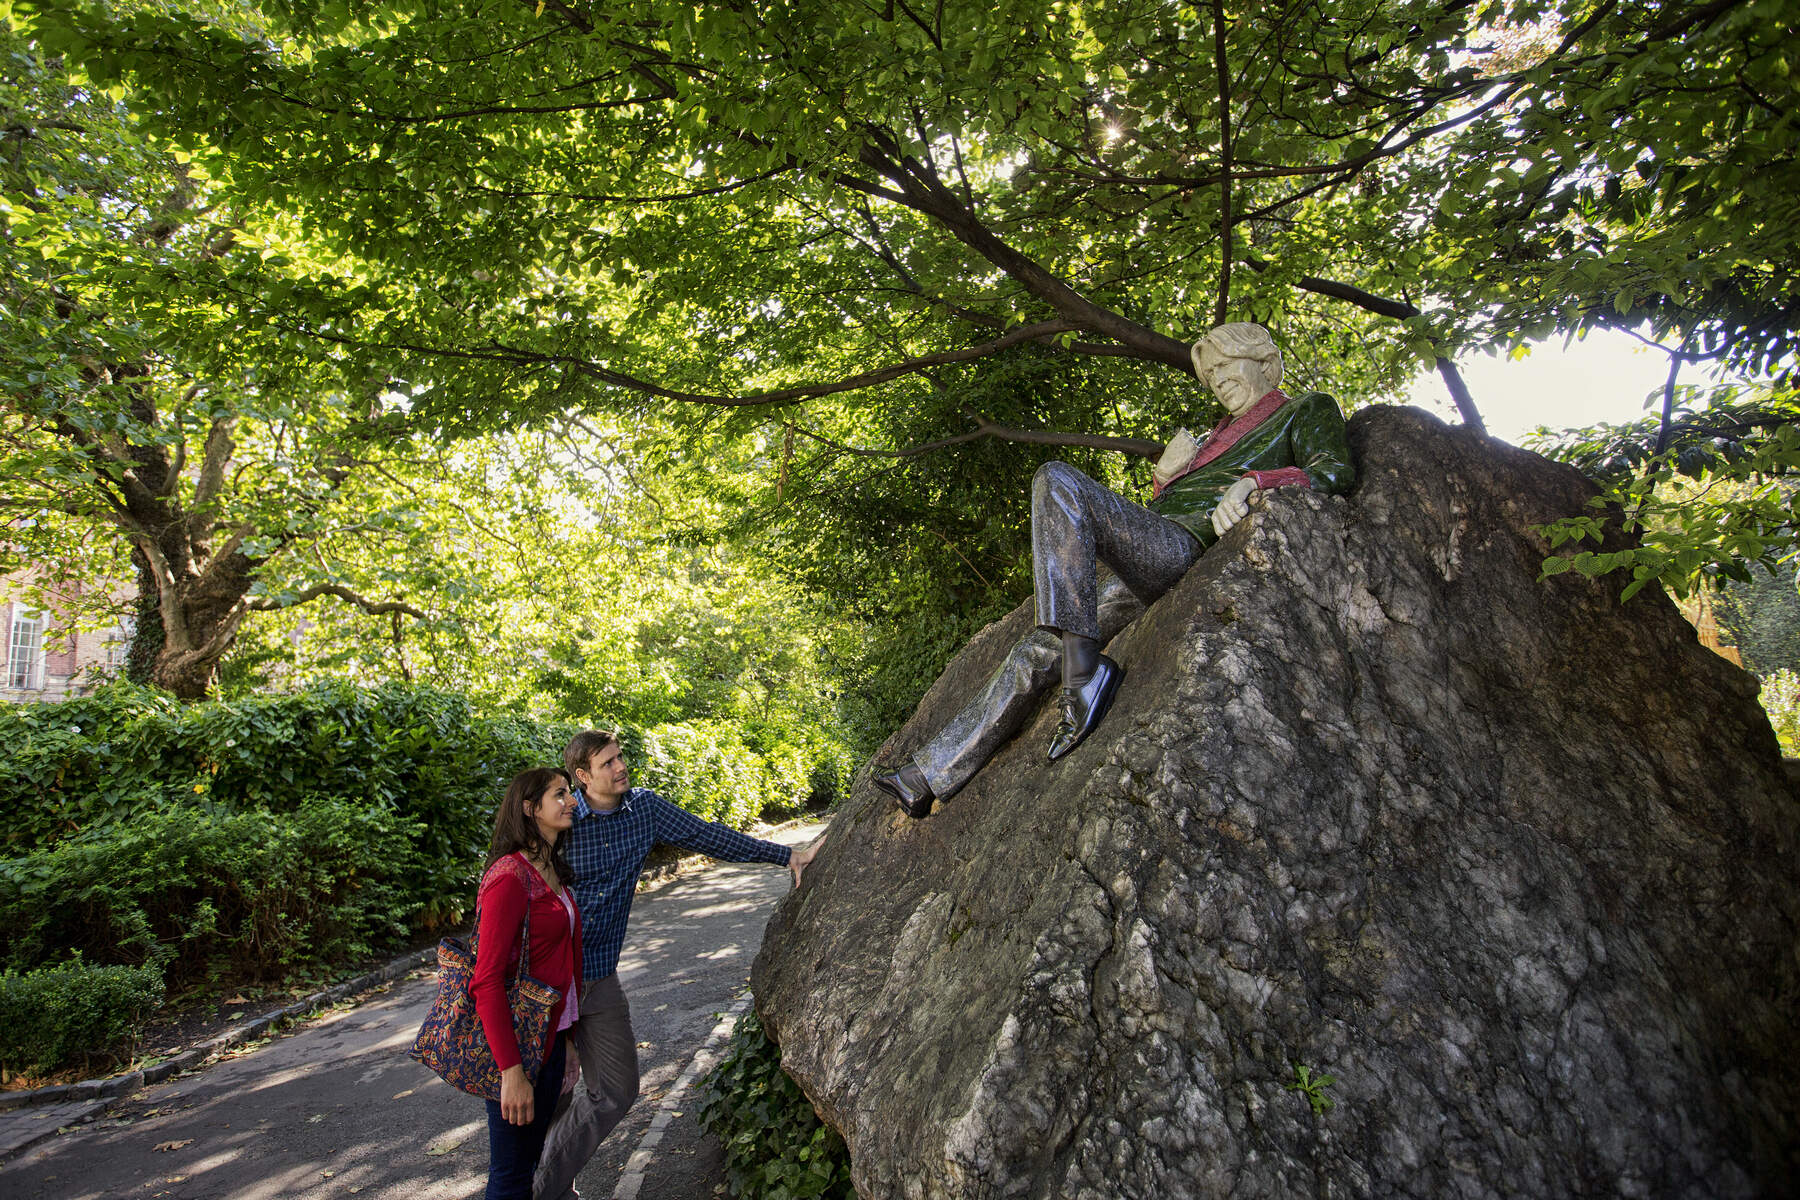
1605 377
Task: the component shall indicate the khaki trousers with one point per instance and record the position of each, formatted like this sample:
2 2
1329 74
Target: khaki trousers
602 1039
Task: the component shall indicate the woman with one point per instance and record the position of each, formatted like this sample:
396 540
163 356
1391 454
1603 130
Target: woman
526 880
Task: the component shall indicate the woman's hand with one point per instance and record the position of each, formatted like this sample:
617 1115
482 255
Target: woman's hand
515 1096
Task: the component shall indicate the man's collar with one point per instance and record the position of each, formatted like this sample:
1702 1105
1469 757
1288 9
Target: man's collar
584 809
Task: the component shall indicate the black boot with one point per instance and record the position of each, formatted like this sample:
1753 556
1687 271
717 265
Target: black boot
908 788
1084 707
1081 658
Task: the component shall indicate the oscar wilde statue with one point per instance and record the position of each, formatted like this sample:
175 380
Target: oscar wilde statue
1267 440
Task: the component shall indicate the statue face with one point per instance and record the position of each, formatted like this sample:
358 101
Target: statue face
1237 382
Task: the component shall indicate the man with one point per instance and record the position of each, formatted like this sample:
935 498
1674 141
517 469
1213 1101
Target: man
615 827
1266 441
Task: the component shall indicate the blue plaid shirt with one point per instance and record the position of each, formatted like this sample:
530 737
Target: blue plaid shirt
606 850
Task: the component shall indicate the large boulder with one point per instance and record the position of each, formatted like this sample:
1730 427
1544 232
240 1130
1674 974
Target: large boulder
1513 862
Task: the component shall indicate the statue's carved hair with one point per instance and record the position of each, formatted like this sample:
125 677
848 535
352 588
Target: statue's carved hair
1239 339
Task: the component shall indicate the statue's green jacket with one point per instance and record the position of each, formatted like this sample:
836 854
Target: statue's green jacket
1307 432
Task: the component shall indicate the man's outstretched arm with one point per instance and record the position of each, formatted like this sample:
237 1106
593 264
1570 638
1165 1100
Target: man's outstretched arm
679 827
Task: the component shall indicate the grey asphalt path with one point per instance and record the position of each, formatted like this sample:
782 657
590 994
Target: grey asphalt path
336 1109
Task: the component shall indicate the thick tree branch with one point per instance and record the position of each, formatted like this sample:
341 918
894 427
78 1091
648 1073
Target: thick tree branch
923 193
1668 404
221 441
1459 394
1225 236
1142 447
1040 331
374 608
1400 310
986 429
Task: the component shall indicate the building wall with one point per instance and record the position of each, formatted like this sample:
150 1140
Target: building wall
65 662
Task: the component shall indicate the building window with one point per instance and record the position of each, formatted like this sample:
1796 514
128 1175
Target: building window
118 642
25 650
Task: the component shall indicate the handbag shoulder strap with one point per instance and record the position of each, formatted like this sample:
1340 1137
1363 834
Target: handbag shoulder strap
513 865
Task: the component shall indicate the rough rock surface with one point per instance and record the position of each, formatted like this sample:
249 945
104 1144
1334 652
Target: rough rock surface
1515 863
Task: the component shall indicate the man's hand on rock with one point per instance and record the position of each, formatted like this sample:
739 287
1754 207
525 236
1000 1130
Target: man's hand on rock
1233 505
798 860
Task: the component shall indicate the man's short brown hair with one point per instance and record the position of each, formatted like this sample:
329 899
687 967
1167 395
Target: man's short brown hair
584 745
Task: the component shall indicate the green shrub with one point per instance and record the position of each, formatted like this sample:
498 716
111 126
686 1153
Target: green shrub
776 1148
201 893
429 757
56 1016
426 756
706 768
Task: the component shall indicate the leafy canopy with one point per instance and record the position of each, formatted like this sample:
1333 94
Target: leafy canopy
805 223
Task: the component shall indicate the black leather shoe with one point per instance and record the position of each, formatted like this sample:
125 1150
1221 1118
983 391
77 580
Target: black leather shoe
1084 707
908 788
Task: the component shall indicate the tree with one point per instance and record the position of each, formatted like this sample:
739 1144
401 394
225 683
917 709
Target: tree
567 584
857 192
853 203
152 429
813 215
1709 487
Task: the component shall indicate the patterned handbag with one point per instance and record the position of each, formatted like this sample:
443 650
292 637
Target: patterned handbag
450 1040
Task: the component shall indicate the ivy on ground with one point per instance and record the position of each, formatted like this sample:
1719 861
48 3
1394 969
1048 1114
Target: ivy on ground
776 1148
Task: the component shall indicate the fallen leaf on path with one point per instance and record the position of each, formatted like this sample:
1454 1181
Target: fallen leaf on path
235 1000
643 1045
172 1145
444 1147
676 1114
326 1174
401 1095
315 1118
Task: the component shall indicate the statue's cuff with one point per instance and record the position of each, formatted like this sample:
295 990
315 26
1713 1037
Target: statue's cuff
1281 477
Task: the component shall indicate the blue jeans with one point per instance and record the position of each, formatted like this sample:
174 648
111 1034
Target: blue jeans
513 1150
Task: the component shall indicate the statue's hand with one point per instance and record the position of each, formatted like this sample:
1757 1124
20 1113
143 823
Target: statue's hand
1233 505
1175 458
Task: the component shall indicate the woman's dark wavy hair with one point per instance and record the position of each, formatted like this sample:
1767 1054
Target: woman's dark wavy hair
514 828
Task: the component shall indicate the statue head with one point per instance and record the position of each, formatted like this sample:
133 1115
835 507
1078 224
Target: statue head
1240 363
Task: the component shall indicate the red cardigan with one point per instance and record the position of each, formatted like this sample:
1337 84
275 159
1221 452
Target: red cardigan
511 888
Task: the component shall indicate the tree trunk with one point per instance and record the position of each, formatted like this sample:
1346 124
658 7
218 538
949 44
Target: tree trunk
210 605
147 630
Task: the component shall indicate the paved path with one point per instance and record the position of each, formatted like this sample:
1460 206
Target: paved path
337 1109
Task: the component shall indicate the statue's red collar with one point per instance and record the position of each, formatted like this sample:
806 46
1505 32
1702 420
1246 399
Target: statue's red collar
1230 430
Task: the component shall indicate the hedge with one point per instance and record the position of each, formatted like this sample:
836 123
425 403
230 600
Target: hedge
74 1010
427 756
205 895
